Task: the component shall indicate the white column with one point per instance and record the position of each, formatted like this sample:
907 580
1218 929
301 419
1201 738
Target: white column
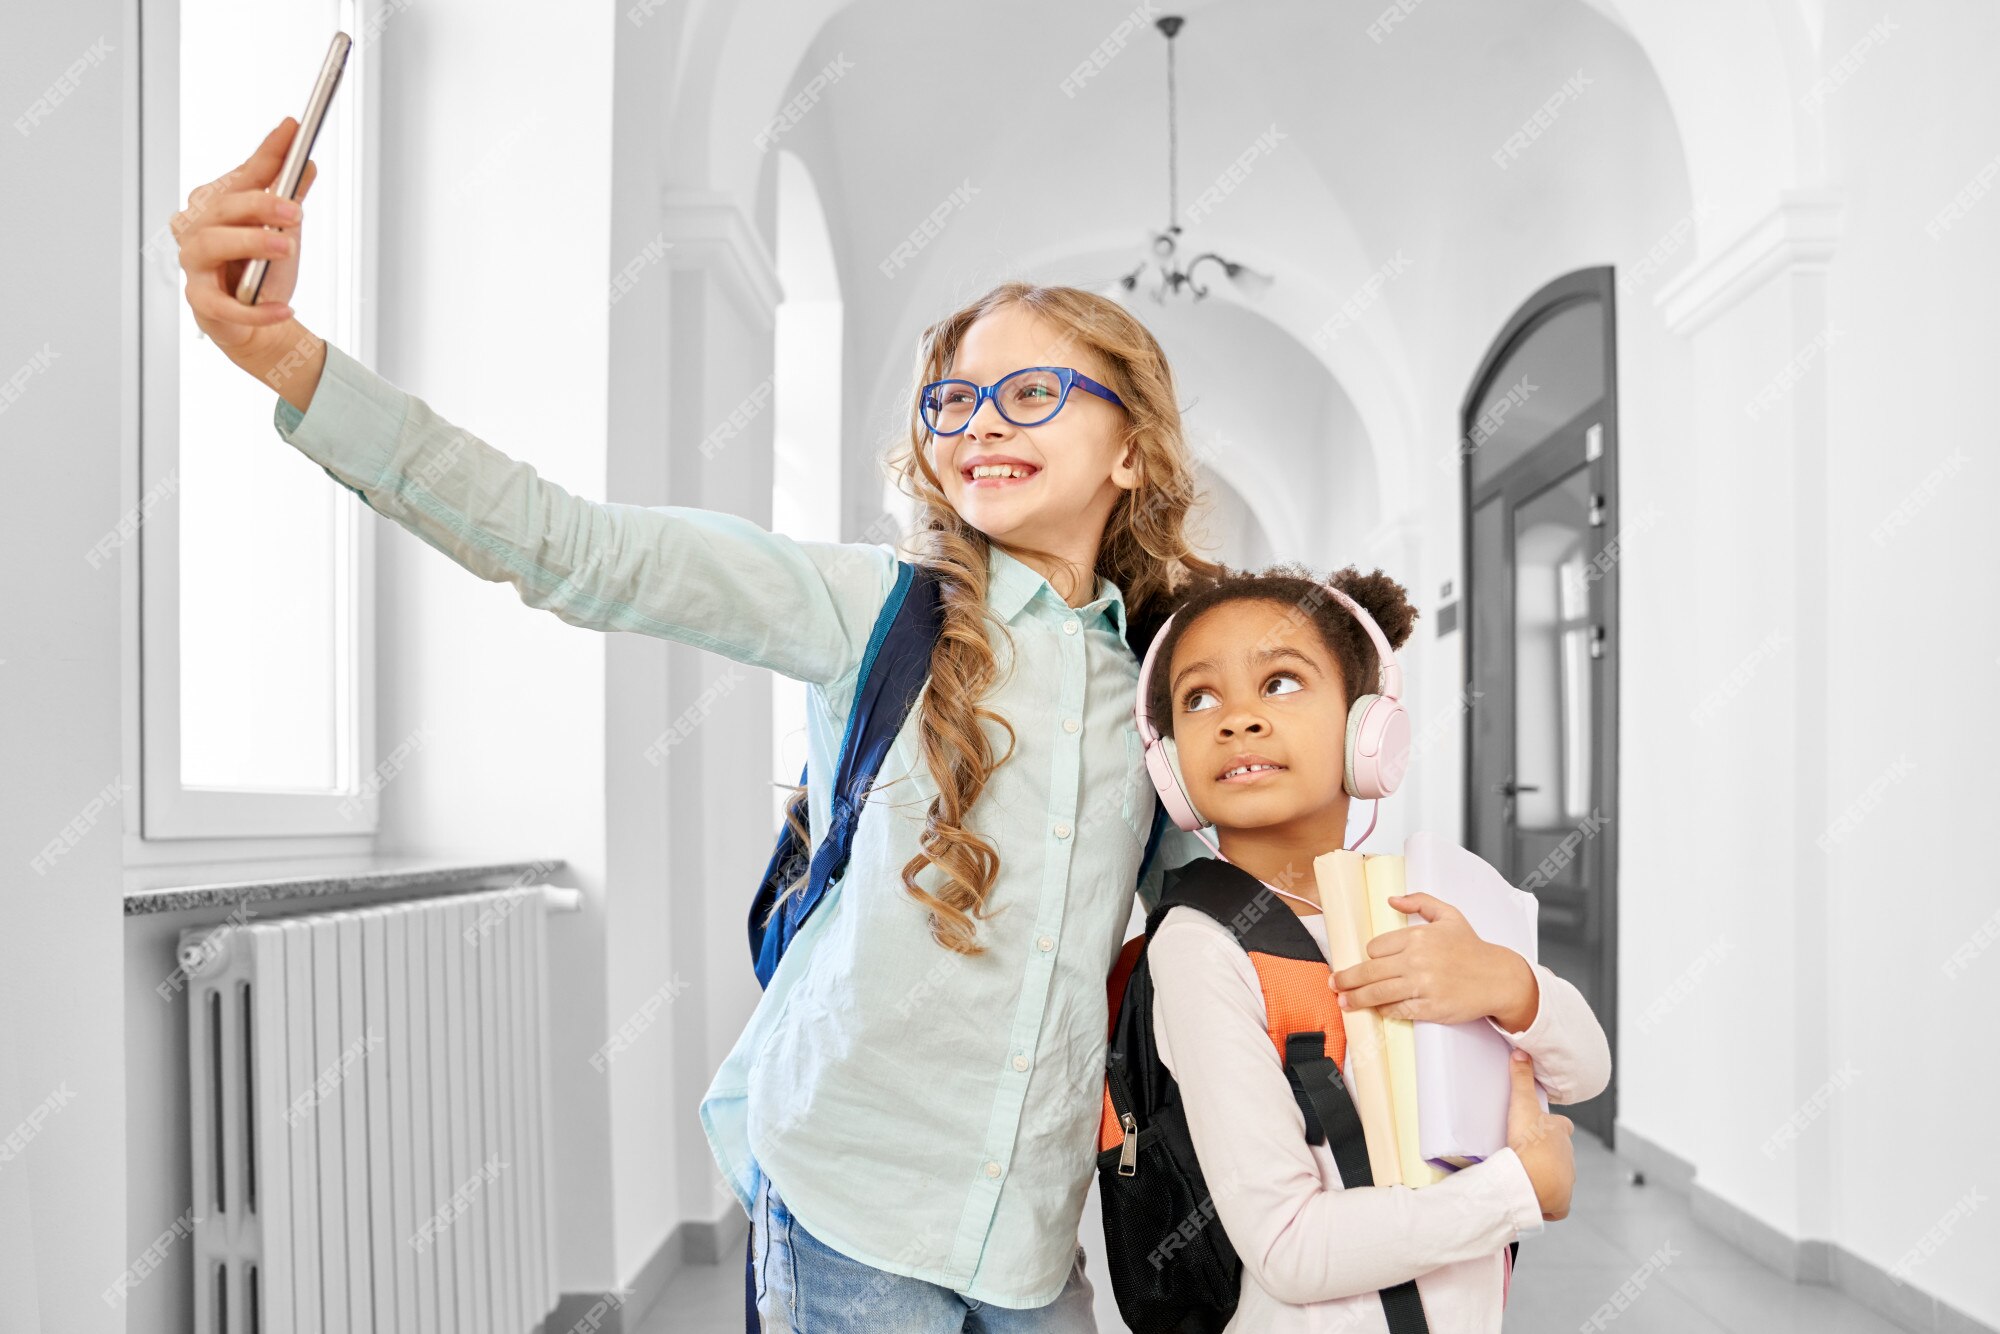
719 359
1742 843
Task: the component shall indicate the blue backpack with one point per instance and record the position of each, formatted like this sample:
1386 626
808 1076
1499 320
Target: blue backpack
894 667
893 670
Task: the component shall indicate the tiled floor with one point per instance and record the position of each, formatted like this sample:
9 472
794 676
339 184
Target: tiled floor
1685 1280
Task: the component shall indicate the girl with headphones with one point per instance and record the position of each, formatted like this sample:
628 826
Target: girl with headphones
1266 703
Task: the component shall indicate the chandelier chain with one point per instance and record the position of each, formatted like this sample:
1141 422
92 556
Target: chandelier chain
1173 144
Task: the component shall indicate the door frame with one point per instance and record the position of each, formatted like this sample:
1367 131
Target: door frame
1583 284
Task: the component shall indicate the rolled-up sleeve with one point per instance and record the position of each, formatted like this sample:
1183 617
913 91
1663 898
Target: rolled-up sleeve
716 581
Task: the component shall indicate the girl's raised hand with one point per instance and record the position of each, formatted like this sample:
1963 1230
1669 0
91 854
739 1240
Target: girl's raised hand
1541 1140
221 230
1440 971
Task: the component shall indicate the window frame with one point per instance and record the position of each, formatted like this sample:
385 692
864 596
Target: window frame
346 818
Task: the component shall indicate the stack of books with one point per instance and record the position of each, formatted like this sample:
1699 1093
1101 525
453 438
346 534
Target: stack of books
1432 1097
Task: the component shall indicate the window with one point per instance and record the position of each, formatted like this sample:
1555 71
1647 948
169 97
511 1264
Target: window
1552 662
1555 372
255 566
805 489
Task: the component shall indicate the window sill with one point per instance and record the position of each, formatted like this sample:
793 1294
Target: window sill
161 889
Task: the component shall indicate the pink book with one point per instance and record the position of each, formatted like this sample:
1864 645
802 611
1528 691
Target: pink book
1462 1078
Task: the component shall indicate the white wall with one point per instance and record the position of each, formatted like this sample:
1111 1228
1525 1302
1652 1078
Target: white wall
68 469
476 319
496 311
1765 530
493 309
1909 396
1736 528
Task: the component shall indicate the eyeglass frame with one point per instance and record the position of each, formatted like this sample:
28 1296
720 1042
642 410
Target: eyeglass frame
1066 376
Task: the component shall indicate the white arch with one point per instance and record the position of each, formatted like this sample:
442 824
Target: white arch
1742 133
1737 101
1363 358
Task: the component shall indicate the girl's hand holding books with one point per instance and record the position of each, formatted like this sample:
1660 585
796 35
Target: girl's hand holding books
1441 972
1541 1140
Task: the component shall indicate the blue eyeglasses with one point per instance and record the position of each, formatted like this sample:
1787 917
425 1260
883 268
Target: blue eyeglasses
1026 398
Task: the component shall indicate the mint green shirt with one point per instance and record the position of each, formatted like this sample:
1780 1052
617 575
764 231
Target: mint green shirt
927 1113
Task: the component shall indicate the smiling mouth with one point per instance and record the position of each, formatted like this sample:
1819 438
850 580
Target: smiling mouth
1249 773
998 474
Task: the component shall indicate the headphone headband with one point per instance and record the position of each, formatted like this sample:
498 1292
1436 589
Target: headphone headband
1377 741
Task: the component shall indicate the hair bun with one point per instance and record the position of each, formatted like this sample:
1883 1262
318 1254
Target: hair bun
1385 599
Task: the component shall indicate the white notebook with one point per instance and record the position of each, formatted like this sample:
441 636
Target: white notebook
1463 1085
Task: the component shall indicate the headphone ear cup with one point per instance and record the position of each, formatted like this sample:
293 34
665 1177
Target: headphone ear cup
1355 714
1163 766
1377 751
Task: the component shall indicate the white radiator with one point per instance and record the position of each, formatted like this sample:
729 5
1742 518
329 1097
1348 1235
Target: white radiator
370 1118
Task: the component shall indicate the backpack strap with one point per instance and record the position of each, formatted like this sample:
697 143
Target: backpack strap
1311 1057
893 671
894 666
1153 837
1317 1084
1329 1111
1301 1013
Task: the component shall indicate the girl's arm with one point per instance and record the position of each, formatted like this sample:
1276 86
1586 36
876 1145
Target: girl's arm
1442 972
1572 1054
713 580
1300 1241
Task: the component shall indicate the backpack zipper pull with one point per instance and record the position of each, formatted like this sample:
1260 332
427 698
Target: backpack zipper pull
1128 1155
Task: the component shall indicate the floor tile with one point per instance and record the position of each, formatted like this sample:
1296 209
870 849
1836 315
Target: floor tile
1573 1275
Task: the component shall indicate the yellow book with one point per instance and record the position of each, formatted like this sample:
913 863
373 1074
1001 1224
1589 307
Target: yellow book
1384 874
1343 897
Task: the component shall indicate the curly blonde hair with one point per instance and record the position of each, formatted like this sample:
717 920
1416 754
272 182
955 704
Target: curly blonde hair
1145 551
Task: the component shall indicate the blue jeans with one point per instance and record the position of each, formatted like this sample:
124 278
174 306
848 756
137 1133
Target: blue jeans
805 1286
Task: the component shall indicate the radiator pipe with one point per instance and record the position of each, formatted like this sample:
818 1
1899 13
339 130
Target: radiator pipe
556 899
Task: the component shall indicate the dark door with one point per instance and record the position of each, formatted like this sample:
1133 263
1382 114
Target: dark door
1539 442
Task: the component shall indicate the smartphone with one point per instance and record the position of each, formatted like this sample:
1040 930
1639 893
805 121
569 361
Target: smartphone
294 170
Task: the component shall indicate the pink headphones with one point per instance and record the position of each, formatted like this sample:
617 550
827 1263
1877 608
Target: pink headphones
1377 749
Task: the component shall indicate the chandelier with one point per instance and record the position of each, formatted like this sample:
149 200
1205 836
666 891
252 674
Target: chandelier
1167 276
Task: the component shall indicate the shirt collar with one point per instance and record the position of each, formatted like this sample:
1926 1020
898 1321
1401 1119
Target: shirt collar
1011 584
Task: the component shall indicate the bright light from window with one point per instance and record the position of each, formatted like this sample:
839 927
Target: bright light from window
806 405
266 561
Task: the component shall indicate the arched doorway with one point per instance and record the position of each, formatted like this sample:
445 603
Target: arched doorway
1538 457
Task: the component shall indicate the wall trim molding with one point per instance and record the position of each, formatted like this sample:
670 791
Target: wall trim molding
1809 1260
692 1242
710 233
1797 236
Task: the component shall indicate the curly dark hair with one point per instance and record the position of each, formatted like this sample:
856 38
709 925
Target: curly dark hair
1295 588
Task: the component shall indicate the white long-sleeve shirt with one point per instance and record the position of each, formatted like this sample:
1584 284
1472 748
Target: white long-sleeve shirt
1314 1254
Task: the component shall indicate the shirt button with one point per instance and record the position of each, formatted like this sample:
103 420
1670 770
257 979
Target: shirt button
993 1169
1045 944
1020 1062
1070 626
1069 724
1062 831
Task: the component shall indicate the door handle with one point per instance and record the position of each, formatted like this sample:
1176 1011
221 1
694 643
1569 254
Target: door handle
1510 787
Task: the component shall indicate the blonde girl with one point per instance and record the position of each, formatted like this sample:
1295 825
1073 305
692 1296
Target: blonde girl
909 1116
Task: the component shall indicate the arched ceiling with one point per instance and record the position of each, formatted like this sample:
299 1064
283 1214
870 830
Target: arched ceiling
1375 177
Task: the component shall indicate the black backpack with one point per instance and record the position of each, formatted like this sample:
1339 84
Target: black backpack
1172 1267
